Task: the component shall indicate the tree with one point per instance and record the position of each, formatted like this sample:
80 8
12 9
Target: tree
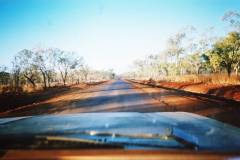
66 61
139 65
84 72
175 49
195 61
4 75
16 69
31 74
233 18
44 62
110 74
226 52
28 66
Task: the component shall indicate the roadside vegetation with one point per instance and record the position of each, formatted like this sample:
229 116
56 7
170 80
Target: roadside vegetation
40 69
37 75
193 57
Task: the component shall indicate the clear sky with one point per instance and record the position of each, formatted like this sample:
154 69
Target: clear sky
107 33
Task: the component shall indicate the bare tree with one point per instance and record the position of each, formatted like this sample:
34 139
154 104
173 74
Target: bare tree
44 61
16 69
28 66
66 61
84 72
175 48
233 18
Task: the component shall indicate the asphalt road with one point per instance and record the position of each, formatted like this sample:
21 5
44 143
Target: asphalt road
117 95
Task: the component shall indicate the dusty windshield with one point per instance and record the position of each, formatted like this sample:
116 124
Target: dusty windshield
120 74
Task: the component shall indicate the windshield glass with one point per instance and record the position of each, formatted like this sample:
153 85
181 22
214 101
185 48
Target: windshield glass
139 74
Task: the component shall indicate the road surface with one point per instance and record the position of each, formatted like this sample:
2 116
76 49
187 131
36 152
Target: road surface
125 96
118 95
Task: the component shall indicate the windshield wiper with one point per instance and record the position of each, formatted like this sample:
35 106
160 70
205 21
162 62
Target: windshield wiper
163 137
90 139
53 142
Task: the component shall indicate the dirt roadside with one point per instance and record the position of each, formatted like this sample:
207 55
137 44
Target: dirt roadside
10 105
219 108
220 90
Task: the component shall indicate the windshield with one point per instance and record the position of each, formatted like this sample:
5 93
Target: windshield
120 74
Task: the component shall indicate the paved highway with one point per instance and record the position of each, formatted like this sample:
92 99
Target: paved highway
118 95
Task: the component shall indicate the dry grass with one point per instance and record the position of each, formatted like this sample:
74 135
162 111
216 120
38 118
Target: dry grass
28 88
206 78
24 88
3 88
215 84
31 97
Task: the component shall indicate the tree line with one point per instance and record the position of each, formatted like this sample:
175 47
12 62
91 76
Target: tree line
192 52
48 67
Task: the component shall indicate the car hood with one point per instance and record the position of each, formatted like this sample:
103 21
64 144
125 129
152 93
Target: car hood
204 132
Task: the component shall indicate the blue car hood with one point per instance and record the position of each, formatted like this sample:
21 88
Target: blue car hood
206 133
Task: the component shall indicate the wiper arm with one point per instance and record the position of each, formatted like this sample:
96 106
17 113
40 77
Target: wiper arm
140 136
165 137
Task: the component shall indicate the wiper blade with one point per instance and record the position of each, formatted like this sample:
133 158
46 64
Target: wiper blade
53 142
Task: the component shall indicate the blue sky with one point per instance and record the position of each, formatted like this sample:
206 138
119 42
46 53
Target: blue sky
107 33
